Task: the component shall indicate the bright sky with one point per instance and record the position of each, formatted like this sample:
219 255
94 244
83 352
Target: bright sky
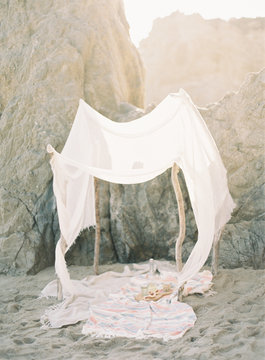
141 13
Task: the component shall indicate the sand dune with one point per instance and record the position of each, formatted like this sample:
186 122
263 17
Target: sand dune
230 324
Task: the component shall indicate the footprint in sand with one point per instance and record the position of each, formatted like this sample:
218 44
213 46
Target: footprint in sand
13 308
18 342
28 340
233 321
243 308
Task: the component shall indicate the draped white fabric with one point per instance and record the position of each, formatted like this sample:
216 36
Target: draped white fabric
134 152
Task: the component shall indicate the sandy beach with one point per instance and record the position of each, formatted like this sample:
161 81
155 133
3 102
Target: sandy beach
230 324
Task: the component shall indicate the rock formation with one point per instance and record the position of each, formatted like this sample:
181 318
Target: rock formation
52 54
205 57
238 126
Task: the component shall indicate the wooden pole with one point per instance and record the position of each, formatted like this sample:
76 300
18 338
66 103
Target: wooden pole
215 254
59 284
63 242
181 211
97 233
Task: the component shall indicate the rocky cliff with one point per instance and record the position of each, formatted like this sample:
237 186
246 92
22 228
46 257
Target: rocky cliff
52 54
205 57
237 123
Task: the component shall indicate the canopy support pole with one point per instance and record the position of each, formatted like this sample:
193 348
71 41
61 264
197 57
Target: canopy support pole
181 211
97 232
59 290
215 254
59 284
63 242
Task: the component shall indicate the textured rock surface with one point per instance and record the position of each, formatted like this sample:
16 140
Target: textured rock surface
205 57
238 125
144 220
52 54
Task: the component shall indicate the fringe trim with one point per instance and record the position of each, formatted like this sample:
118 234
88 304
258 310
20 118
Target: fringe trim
140 335
44 320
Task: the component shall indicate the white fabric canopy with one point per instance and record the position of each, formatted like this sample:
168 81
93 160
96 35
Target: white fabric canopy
135 152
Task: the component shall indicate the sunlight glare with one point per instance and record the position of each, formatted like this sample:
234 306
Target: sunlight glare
141 13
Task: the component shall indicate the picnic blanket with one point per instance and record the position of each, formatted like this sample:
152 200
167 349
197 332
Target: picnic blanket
110 308
122 315
167 318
